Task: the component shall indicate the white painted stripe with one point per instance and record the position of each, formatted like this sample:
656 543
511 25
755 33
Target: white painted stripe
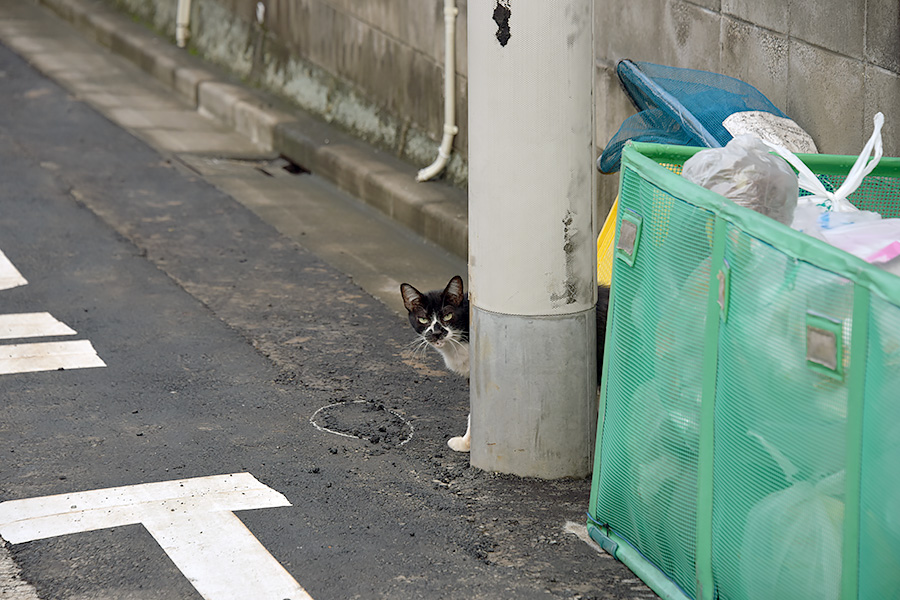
190 518
9 275
50 516
48 356
25 325
222 558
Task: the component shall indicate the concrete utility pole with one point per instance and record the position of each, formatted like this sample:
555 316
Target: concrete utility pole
532 237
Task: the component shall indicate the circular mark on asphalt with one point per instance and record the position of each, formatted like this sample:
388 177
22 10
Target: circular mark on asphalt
364 420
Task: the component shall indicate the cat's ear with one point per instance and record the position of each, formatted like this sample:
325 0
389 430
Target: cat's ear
453 293
412 298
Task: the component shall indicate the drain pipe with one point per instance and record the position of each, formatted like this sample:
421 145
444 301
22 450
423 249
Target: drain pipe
450 128
183 23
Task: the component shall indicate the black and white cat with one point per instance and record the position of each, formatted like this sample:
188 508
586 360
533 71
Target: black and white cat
442 321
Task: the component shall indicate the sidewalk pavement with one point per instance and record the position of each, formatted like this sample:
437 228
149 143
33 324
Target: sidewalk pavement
436 211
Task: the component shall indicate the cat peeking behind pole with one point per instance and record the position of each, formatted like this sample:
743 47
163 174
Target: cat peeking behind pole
441 318
442 321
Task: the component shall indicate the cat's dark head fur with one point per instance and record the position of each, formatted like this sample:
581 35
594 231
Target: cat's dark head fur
441 318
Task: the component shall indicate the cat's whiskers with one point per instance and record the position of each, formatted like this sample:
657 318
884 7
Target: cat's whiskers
422 348
455 342
417 348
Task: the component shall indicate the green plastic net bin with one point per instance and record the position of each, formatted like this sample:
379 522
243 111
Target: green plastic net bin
749 428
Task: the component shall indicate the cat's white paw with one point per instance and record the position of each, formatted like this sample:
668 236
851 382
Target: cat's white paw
460 444
463 442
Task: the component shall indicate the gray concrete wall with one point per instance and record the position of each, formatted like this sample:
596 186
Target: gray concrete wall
375 66
828 64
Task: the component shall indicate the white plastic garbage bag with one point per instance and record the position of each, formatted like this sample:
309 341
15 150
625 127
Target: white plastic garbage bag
793 542
861 233
828 214
875 241
836 200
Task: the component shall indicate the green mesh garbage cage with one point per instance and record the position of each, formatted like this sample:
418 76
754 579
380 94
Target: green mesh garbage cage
749 431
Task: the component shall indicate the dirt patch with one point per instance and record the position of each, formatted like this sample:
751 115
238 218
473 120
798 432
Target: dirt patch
364 420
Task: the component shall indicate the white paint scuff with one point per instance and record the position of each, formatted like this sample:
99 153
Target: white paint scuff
312 420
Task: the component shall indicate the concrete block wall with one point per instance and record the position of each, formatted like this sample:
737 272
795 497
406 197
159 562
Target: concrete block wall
828 64
375 67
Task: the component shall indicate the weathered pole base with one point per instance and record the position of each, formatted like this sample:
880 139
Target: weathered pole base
534 395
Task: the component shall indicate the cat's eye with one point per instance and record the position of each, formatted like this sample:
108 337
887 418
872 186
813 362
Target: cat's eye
448 316
423 320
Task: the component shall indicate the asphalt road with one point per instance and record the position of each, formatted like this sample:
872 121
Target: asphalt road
221 339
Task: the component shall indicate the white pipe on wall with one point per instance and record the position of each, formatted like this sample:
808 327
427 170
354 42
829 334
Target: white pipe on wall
450 128
183 23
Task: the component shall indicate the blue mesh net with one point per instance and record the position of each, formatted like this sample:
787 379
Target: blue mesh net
679 106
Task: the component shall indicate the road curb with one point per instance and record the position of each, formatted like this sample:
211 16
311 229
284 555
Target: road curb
434 210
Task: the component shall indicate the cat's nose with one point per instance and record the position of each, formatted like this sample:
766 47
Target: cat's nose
439 333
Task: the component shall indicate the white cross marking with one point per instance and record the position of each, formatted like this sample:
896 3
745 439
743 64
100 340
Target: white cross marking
191 519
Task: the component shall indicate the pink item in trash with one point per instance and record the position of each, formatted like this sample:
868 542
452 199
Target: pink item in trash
889 252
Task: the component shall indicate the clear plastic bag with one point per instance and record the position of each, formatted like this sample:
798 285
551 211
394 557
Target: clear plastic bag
793 538
745 172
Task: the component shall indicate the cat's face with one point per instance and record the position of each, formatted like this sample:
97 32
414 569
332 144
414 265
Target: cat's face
440 318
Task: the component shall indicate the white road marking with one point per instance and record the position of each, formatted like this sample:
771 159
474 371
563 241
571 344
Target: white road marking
9 275
48 356
26 325
191 519
41 356
12 586
222 558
